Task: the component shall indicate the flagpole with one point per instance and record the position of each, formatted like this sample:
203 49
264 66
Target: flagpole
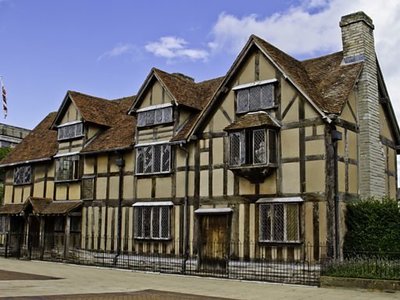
4 96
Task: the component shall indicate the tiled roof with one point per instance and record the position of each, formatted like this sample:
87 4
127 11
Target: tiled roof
11 209
40 143
206 91
250 120
333 80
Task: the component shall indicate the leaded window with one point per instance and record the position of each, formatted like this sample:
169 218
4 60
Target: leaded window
70 131
154 116
23 174
67 168
152 222
255 98
3 223
153 159
279 222
252 147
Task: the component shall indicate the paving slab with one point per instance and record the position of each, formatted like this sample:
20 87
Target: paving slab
79 280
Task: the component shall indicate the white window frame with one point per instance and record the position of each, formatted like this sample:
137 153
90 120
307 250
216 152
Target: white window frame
166 112
78 132
140 150
272 203
139 229
247 87
22 169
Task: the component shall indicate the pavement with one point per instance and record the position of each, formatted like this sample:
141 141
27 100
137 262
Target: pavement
65 281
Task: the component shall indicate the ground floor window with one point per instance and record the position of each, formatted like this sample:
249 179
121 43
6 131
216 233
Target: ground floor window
152 220
3 224
279 221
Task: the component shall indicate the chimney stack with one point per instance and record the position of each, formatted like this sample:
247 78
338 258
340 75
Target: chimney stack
358 46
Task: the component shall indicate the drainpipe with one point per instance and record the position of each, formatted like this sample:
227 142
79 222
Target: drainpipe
120 162
336 136
185 208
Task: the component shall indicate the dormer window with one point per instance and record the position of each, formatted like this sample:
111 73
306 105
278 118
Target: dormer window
70 130
154 115
255 96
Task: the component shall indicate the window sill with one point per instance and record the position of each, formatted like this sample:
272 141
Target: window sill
161 174
67 180
22 184
281 243
153 239
254 173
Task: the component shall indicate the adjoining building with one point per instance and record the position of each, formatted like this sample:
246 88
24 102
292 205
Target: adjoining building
257 163
10 136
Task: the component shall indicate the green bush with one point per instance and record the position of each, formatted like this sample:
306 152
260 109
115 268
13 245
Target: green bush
373 225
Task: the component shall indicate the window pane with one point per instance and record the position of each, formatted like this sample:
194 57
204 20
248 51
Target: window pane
242 97
156 158
235 149
146 222
138 222
139 161
272 146
165 222
158 116
255 98
148 159
279 219
149 115
141 119
260 156
167 114
22 175
166 158
265 222
267 95
156 222
70 131
292 225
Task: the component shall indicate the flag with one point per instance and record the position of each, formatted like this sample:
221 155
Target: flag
4 96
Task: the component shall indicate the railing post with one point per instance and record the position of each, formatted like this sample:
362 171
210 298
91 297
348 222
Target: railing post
6 245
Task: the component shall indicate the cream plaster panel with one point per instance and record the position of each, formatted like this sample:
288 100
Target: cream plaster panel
341 144
39 172
290 143
18 194
315 147
76 149
113 165
180 188
146 100
50 189
321 130
204 159
353 102
352 144
293 113
204 183
269 185
322 223
230 183
129 161
392 160
180 158
164 187
385 130
92 131
290 178
61 192
74 191
247 72
308 131
157 93
315 176
309 111
245 187
128 187
8 194
77 143
267 70
101 187
71 114
143 188
229 104
393 187
353 179
191 183
102 162
88 165
309 222
220 121
26 193
218 151
114 187
218 182
183 116
341 176
347 115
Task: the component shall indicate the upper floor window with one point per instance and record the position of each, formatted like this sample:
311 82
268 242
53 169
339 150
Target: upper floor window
153 159
252 147
67 168
154 115
70 131
255 96
279 222
23 175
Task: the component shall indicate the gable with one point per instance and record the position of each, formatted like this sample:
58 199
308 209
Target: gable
154 94
70 114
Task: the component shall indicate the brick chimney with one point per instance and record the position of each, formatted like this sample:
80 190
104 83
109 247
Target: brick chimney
358 45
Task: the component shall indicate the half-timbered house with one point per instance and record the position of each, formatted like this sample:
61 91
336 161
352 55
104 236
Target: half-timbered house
257 163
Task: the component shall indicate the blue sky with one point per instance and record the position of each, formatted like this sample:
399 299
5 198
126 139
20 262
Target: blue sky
107 48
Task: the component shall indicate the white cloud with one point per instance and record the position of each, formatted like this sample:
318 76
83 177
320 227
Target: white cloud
119 50
171 47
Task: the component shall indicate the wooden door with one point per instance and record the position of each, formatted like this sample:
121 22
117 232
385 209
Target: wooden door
214 241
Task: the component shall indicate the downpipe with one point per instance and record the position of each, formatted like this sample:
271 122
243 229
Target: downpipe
185 210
